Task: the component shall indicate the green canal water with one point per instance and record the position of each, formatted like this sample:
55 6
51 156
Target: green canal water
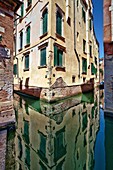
70 134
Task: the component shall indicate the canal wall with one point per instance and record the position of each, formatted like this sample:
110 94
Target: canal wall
3 137
58 91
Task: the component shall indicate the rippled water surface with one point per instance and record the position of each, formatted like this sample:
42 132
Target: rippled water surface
71 134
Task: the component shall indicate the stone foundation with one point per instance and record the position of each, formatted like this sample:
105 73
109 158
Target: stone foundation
57 91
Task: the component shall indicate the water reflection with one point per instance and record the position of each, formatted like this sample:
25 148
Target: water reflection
56 136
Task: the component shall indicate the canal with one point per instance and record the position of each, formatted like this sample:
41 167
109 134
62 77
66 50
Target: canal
71 134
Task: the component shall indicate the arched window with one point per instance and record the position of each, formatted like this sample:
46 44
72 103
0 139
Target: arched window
45 21
59 23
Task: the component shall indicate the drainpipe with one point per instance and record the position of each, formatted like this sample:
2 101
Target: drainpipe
75 37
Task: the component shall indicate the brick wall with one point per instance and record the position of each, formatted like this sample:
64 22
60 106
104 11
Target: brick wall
6 65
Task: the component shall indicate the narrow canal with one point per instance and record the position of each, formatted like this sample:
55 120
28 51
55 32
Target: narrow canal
72 134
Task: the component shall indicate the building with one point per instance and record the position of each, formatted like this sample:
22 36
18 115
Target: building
7 10
56 48
108 56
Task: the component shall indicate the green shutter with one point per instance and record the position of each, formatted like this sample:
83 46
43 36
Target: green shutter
55 55
15 69
28 35
84 65
22 10
60 54
26 61
43 57
45 22
59 23
21 40
26 131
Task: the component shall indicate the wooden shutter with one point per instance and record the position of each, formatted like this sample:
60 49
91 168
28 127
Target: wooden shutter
22 10
45 22
43 57
60 53
26 61
28 35
15 69
59 23
21 40
55 55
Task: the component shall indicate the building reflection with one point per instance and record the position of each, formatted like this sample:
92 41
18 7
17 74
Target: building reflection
56 136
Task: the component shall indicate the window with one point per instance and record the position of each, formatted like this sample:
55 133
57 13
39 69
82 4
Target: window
27 62
59 143
43 57
84 121
45 21
73 79
58 23
84 46
42 144
26 131
90 24
77 3
93 69
95 60
21 40
29 2
58 56
83 15
28 35
15 69
22 10
84 65
90 50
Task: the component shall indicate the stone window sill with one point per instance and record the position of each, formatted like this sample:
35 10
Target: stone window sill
27 9
20 49
26 69
60 68
27 45
84 73
44 66
42 36
60 37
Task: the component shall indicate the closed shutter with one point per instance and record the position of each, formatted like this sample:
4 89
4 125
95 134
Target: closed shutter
15 69
26 61
21 40
55 55
28 35
22 10
84 65
59 24
43 57
45 22
60 53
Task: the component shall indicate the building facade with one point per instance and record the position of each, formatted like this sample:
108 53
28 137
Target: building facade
7 10
56 48
108 55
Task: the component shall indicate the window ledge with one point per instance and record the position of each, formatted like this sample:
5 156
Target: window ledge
85 52
20 20
84 73
27 9
44 66
27 45
45 34
60 37
20 49
60 68
26 69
